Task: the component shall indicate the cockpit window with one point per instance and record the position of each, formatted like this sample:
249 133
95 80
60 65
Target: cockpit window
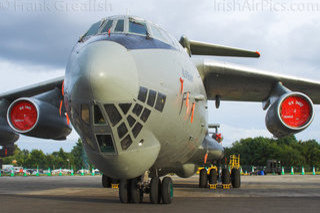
156 33
162 35
107 26
98 117
119 26
167 37
85 114
137 27
93 29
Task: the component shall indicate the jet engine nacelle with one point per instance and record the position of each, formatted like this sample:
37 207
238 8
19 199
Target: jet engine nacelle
292 113
33 117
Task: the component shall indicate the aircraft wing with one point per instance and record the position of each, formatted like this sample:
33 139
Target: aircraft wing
237 83
43 112
33 90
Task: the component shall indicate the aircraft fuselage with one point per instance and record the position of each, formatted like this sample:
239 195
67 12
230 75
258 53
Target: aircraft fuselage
137 103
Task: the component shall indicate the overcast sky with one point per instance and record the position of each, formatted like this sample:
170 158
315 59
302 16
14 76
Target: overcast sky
36 38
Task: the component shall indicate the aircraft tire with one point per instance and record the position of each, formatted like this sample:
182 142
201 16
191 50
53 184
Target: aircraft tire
135 192
124 194
213 176
106 181
235 178
203 178
225 176
167 190
155 190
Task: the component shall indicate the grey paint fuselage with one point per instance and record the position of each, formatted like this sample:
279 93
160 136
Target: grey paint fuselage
102 71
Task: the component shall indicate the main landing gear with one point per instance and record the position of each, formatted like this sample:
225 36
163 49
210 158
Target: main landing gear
226 178
132 191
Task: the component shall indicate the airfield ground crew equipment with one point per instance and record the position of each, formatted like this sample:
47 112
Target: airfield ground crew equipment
273 166
234 162
230 175
234 165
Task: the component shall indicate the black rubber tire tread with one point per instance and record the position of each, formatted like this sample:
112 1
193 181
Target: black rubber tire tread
213 176
134 191
141 196
232 176
123 191
167 190
203 178
155 194
106 181
225 177
235 178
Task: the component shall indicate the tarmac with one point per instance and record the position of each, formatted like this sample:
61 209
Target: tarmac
85 194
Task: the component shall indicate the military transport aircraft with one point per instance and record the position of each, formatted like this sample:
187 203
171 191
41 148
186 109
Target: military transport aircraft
139 101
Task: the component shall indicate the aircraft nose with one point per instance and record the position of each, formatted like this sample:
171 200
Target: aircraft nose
110 70
104 94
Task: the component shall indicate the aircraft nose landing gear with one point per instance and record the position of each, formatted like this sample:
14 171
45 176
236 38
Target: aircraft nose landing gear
131 191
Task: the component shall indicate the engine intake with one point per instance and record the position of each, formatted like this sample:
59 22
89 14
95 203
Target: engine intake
33 117
292 113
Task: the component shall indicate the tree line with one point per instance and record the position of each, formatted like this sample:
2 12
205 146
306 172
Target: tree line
253 151
75 159
290 151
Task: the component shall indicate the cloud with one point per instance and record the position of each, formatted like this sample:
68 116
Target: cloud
16 74
35 45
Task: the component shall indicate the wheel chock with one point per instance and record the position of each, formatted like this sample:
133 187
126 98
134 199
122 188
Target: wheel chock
213 186
226 186
115 186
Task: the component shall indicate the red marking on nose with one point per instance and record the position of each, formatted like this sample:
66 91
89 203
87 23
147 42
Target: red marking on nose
187 100
60 108
193 107
62 89
68 119
181 87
